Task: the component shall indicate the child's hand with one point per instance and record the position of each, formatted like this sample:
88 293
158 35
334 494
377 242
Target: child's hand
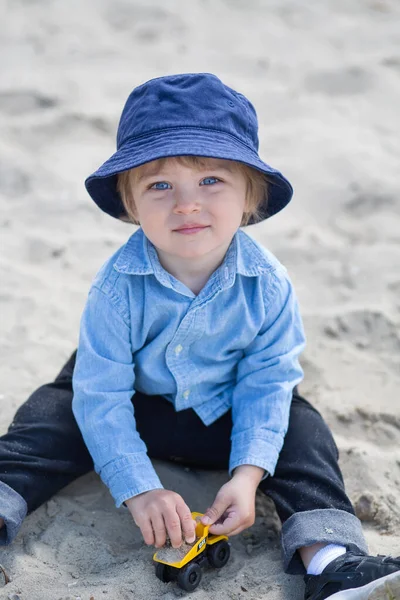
162 512
234 506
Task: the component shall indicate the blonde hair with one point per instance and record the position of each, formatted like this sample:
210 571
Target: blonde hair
257 185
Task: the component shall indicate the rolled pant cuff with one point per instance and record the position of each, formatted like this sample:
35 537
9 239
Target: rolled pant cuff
328 525
13 509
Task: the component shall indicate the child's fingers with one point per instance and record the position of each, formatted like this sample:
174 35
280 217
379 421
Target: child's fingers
214 512
231 523
188 524
160 534
174 529
147 532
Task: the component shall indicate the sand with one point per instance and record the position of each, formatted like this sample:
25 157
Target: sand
325 79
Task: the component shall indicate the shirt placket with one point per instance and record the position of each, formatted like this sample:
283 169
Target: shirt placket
178 361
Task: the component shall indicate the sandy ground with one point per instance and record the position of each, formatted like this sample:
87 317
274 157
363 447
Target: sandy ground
325 79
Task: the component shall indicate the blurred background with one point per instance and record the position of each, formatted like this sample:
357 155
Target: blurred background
324 77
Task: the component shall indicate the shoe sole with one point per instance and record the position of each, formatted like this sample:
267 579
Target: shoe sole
385 588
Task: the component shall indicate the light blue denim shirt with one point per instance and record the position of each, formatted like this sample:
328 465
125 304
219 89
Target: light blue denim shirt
234 345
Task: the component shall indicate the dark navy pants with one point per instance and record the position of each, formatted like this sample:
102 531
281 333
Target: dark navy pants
43 451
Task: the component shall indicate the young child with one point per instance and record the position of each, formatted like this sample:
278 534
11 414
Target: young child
188 351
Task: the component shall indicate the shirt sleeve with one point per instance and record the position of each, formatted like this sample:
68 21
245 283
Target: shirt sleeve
103 385
266 376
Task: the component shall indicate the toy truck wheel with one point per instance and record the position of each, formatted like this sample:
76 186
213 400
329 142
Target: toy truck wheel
162 572
189 577
218 554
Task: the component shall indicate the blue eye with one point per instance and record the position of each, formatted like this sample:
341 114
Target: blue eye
159 183
164 184
208 179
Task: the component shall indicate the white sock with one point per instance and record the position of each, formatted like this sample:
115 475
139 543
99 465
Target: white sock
323 557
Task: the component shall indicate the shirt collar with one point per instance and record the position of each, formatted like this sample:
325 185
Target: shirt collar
244 256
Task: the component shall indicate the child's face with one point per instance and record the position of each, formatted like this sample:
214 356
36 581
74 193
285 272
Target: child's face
166 198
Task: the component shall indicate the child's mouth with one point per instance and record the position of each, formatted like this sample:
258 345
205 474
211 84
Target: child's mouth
191 230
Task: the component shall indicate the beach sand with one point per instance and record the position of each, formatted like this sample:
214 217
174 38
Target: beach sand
325 80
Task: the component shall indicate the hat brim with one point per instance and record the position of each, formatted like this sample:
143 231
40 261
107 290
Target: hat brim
102 184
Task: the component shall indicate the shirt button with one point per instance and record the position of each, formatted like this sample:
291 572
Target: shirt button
186 394
178 349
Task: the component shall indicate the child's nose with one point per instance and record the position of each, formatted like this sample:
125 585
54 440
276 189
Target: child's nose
187 200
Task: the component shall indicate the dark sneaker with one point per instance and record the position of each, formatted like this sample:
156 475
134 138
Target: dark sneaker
356 577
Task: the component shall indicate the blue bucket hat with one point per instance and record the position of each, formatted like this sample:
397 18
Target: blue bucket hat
192 114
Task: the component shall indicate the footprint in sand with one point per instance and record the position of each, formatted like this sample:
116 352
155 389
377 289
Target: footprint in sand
379 214
379 428
393 62
341 82
366 329
366 203
19 102
144 22
14 182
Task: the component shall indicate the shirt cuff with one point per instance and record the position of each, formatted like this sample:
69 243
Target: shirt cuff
260 452
13 510
129 476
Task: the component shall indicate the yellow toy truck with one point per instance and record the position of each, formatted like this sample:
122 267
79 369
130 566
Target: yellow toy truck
184 564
